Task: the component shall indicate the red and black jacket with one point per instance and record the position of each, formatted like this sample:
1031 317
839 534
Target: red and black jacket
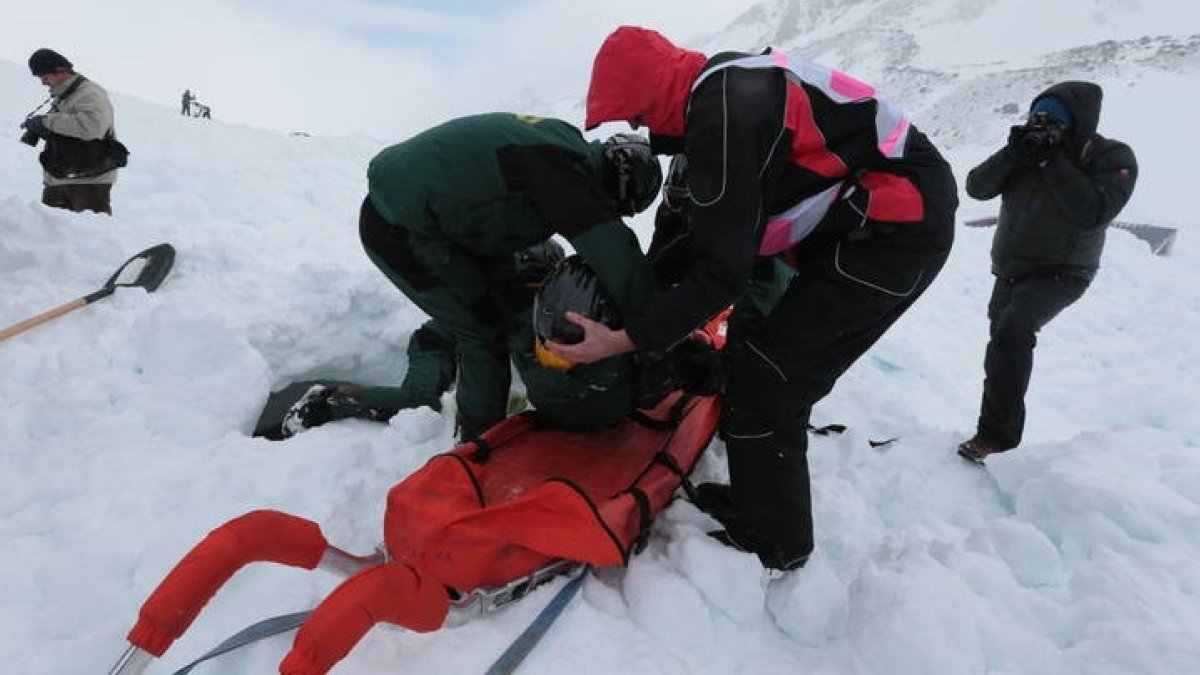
762 139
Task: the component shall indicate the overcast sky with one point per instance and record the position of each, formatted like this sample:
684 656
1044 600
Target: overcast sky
381 67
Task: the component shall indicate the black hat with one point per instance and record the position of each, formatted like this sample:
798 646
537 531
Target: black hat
45 61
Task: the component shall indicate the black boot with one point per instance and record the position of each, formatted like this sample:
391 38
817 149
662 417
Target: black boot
716 499
975 450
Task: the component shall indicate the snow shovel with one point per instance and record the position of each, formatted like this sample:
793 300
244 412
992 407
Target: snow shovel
159 260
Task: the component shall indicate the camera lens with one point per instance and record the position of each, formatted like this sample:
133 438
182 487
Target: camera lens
29 138
1033 141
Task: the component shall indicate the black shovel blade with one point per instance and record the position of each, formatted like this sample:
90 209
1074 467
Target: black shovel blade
159 261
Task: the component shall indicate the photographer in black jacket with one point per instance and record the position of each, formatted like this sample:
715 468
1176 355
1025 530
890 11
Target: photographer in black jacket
1060 184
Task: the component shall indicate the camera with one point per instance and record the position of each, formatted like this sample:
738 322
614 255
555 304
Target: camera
29 138
1041 135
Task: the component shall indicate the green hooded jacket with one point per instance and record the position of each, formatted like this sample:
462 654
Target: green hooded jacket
474 190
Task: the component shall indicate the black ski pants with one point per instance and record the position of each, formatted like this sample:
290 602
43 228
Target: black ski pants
845 294
837 305
1018 309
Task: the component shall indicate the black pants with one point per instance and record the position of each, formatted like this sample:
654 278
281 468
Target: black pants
844 296
1019 308
89 197
835 308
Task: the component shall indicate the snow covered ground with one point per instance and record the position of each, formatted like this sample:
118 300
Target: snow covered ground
124 437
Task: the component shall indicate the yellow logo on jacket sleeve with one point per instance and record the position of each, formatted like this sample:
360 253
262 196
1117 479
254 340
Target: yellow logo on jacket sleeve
529 119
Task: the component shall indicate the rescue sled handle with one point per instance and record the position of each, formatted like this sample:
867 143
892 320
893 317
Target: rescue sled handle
346 564
134 661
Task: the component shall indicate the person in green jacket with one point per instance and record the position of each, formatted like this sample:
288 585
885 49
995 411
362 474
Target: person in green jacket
447 210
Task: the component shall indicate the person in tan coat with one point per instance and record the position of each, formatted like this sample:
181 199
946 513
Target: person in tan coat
80 157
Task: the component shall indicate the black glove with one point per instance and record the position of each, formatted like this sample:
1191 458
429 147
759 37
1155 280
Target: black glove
1016 149
1034 144
35 125
691 366
698 368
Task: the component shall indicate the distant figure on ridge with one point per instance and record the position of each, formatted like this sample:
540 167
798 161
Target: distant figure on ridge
188 98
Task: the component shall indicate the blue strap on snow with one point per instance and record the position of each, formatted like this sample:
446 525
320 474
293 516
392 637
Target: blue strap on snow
505 665
526 641
253 633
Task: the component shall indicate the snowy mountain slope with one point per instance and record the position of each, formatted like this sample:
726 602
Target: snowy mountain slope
124 429
948 60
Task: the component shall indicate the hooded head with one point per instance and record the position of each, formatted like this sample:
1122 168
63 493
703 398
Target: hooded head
1053 109
1081 103
641 78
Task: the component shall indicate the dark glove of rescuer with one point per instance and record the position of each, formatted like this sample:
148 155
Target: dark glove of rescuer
691 366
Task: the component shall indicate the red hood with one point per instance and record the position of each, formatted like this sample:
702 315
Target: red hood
639 75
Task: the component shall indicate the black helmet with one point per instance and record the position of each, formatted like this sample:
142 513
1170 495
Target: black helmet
572 286
534 263
632 175
676 193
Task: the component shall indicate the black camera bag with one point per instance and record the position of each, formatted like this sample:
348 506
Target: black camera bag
69 157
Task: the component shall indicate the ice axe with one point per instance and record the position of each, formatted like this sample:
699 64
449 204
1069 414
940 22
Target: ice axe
159 260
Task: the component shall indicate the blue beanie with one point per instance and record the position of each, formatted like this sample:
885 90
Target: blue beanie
1053 108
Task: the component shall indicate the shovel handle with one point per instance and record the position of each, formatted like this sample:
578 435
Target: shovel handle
42 318
159 260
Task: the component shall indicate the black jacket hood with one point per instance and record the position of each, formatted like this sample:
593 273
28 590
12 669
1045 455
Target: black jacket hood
1082 100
